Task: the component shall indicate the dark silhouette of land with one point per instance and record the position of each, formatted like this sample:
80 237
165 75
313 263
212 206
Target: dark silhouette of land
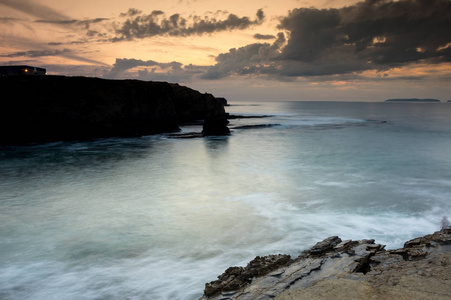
36 109
412 100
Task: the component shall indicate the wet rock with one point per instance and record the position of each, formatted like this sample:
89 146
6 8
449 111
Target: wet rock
325 246
333 263
236 277
260 266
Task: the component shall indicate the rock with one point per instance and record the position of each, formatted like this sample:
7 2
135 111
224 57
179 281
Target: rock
236 277
324 246
215 125
53 108
222 100
345 269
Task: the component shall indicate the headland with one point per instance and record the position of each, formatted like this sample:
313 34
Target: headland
37 109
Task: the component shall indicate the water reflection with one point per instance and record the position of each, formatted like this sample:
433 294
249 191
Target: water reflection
104 154
216 145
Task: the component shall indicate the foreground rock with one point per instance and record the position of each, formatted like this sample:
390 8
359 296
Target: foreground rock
336 269
38 109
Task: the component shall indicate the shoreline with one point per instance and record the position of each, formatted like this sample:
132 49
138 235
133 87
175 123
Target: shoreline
344 270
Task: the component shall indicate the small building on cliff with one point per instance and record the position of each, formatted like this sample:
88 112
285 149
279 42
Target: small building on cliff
21 70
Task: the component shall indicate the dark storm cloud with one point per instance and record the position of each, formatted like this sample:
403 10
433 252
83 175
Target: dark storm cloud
408 30
138 26
374 34
370 35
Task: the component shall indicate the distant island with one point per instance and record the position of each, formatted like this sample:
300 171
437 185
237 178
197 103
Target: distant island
412 100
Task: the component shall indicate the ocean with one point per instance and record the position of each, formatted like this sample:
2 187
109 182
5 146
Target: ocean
157 217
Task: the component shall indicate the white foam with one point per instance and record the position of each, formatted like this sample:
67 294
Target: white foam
314 221
341 184
265 205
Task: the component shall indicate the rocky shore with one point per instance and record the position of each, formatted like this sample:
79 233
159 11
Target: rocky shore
336 269
36 109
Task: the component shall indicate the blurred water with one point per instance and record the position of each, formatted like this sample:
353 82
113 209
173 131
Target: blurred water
157 218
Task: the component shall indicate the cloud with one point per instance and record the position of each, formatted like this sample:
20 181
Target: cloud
388 32
86 23
123 65
47 15
47 52
152 70
34 9
38 53
370 35
7 20
264 36
76 69
138 26
134 24
251 59
131 12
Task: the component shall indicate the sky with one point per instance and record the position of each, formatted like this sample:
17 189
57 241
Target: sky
254 50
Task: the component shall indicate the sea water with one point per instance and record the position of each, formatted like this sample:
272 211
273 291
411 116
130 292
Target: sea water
157 218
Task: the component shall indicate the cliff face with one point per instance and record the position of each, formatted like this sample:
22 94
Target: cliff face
52 108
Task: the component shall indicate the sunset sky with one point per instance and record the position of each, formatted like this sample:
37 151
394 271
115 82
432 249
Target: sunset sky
242 50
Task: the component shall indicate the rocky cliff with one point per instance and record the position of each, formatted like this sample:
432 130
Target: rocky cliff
52 108
336 269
